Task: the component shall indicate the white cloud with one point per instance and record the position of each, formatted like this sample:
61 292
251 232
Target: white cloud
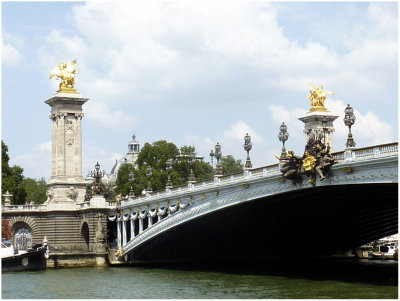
137 51
37 163
10 55
92 154
101 115
368 128
237 132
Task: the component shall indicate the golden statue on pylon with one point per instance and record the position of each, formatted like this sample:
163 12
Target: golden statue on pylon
317 97
67 74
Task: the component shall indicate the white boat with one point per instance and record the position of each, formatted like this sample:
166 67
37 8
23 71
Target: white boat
385 248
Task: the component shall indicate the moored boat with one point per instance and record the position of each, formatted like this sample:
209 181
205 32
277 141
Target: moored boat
386 251
32 259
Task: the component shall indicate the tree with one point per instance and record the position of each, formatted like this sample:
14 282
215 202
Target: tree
35 190
11 177
230 165
156 155
122 182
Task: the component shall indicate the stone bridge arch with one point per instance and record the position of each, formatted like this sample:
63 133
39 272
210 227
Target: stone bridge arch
17 221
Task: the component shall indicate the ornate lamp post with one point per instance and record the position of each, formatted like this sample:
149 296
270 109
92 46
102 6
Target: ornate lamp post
149 174
192 179
247 147
218 155
169 169
131 180
349 120
212 157
324 122
283 136
97 175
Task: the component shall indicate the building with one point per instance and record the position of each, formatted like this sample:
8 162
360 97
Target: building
130 157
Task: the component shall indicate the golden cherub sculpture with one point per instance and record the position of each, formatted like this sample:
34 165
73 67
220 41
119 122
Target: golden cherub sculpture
67 74
317 97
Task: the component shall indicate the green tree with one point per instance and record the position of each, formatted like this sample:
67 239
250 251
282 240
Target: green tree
109 192
155 155
11 177
230 165
35 190
123 185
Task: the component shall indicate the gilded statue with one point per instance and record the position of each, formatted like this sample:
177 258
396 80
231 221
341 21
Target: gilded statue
317 159
317 97
65 72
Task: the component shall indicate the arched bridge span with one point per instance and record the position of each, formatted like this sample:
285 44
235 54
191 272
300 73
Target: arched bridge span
259 215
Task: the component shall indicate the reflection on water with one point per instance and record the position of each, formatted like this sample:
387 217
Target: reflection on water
288 279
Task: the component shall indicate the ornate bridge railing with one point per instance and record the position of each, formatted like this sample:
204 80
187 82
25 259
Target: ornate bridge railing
141 218
44 207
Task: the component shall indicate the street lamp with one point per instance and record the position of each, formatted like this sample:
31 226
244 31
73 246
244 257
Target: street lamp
149 174
192 179
247 147
283 136
212 157
349 120
324 122
169 169
131 180
97 175
218 155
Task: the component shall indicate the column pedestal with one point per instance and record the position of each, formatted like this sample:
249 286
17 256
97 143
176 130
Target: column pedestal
313 126
66 185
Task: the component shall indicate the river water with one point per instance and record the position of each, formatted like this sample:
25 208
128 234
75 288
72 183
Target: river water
320 279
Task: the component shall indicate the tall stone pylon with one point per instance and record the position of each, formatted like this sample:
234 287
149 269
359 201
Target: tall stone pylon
318 121
66 185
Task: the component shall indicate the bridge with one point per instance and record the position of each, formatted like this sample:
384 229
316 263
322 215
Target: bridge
259 214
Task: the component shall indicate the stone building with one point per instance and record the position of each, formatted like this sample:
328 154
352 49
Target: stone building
130 157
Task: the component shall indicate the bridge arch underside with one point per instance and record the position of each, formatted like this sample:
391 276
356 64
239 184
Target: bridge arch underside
311 222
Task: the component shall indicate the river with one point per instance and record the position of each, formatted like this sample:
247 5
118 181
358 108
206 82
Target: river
322 279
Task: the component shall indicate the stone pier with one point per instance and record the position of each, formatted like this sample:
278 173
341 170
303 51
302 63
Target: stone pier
76 229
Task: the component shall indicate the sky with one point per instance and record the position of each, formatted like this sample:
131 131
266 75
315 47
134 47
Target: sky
196 73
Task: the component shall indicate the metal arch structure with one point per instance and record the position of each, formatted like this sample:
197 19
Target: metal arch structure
358 202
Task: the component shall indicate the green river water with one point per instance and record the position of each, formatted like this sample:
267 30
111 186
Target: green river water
337 279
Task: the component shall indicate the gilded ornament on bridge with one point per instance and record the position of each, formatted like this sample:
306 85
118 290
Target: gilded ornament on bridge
308 162
317 97
66 72
317 159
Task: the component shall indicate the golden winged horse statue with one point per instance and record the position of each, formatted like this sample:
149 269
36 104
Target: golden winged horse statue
317 97
65 72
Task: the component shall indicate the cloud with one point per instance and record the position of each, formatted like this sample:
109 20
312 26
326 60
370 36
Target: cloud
367 130
101 114
93 154
238 130
10 48
37 163
164 45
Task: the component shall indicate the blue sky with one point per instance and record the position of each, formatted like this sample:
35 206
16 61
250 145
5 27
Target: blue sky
197 73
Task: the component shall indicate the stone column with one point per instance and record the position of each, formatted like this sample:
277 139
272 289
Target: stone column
150 221
123 233
119 234
66 181
140 225
313 125
132 229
